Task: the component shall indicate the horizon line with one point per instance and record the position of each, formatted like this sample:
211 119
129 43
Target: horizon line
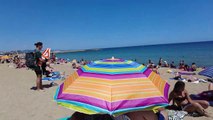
78 50
137 45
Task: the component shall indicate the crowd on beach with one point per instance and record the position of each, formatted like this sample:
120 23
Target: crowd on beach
182 66
179 98
19 60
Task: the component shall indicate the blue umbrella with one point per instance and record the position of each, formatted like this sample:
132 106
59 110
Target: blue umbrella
207 72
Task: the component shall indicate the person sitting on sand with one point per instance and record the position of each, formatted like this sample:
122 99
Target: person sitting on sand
180 96
165 64
155 69
48 69
149 65
181 65
186 68
172 65
160 62
193 67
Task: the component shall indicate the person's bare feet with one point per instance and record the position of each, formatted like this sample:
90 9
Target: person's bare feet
206 114
40 89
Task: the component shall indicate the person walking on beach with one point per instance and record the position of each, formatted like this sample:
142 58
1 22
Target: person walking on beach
38 65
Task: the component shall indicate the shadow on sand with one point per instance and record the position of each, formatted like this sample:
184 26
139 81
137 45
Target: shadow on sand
45 86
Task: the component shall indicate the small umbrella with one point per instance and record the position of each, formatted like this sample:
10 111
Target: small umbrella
207 72
5 57
113 86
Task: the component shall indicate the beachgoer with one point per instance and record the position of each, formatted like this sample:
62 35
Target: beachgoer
155 69
150 64
53 57
165 64
147 115
39 61
48 69
82 116
182 62
160 62
186 67
172 65
180 96
181 65
138 115
193 67
178 76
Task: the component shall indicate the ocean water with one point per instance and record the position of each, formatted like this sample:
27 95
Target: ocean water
199 52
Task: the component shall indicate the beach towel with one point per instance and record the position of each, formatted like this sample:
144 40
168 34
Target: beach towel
186 73
184 80
54 76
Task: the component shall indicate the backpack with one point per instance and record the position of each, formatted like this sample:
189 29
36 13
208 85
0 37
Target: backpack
30 60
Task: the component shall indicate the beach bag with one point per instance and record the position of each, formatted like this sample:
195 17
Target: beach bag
30 60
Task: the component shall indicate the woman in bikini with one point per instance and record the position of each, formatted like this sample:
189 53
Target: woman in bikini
180 96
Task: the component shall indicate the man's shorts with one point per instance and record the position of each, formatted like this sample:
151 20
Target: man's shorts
38 70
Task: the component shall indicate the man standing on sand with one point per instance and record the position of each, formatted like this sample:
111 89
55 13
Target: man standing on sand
38 69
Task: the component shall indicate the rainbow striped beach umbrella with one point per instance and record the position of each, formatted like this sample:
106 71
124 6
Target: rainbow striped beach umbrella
113 86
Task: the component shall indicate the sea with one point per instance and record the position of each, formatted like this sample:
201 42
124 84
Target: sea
200 53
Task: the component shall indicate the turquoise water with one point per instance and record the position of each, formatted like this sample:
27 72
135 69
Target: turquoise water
199 52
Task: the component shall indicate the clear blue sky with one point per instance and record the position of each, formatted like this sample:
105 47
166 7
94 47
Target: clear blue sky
83 24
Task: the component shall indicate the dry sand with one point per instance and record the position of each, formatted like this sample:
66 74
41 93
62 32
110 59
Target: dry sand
19 102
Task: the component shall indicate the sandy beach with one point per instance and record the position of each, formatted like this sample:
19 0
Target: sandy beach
19 102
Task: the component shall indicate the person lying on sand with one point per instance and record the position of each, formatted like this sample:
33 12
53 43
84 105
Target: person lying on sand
188 78
178 76
180 96
139 115
207 95
147 115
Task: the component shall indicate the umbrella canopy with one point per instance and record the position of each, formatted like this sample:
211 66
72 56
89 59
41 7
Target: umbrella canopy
207 72
113 86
